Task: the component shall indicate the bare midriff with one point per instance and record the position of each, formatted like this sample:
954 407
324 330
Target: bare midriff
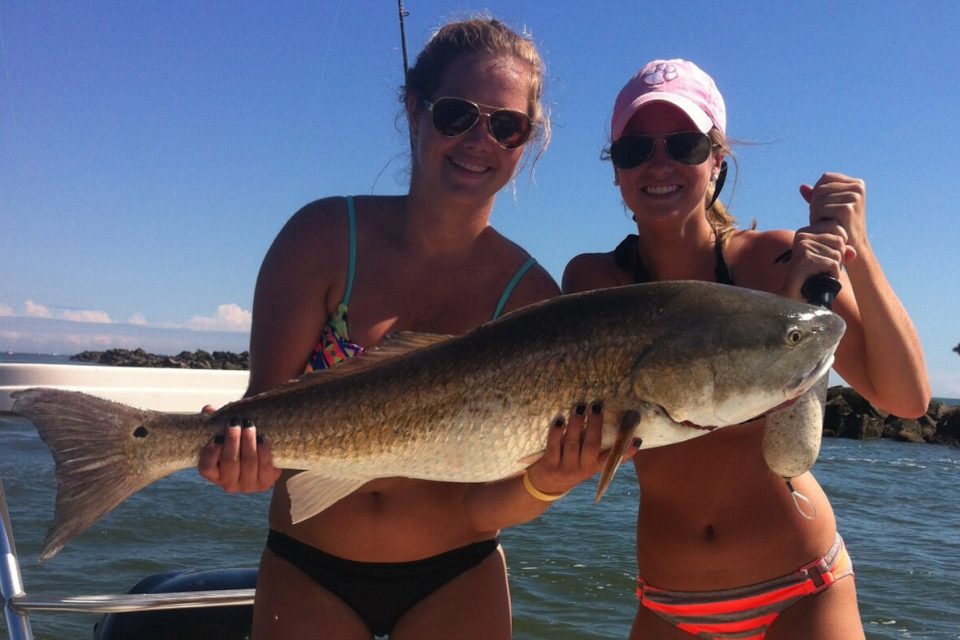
713 516
386 520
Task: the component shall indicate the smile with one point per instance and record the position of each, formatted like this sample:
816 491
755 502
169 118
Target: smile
469 166
663 190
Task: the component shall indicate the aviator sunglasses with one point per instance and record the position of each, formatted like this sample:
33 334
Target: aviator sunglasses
687 147
453 117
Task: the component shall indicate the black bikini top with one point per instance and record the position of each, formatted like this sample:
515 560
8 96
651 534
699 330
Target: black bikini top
626 257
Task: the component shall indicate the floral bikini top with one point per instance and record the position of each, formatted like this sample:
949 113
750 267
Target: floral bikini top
335 345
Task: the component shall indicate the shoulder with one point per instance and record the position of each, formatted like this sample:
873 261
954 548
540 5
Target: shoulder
310 242
759 245
589 271
333 210
758 259
532 282
317 217
318 233
311 220
308 258
535 285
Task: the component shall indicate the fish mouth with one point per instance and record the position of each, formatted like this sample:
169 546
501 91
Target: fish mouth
795 387
698 427
801 383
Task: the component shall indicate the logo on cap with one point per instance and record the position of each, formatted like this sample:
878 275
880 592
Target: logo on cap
663 72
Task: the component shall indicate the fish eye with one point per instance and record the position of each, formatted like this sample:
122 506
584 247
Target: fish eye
794 336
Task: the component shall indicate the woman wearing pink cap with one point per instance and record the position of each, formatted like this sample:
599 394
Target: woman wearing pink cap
722 549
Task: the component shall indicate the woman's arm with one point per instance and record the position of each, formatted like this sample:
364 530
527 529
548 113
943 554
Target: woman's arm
289 310
880 354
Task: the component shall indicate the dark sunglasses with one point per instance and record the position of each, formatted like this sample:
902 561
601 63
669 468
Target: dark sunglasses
688 147
453 117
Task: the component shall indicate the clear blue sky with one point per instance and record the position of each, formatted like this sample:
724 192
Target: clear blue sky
150 151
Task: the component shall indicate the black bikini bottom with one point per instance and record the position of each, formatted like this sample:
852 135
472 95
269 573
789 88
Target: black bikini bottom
380 592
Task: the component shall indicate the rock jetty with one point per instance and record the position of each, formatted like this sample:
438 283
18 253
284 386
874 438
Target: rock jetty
184 360
848 415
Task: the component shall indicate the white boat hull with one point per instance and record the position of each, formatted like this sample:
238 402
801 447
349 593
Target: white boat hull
181 390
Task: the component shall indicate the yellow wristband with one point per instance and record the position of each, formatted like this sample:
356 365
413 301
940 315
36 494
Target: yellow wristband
540 495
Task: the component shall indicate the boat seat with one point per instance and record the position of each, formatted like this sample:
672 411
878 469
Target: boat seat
208 623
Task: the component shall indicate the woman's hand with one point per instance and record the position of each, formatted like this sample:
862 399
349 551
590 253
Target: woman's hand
572 455
837 228
236 461
841 200
573 451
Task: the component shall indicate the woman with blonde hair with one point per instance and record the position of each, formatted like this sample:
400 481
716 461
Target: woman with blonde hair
402 557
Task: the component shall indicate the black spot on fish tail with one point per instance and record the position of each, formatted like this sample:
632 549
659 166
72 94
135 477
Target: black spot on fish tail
140 432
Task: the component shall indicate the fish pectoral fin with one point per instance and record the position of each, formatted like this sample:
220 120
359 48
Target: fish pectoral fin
313 491
628 424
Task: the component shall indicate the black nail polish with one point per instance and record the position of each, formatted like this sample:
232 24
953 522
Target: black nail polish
218 439
638 442
246 424
595 408
581 409
558 423
234 422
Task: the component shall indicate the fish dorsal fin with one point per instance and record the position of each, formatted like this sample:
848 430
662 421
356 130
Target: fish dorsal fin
313 491
397 344
393 346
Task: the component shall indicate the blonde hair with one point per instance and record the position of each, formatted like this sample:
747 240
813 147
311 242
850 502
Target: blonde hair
722 221
479 36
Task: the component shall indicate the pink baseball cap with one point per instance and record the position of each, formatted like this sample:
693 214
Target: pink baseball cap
679 82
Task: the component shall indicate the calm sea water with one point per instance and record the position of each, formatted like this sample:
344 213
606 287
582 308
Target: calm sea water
571 571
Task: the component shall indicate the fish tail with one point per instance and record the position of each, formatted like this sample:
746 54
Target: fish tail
86 436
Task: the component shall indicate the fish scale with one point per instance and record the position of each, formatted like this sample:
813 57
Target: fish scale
475 408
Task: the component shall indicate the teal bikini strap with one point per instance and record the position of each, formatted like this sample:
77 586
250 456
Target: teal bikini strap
352 260
513 283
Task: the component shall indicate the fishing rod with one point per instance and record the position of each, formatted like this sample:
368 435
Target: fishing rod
403 47
403 37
